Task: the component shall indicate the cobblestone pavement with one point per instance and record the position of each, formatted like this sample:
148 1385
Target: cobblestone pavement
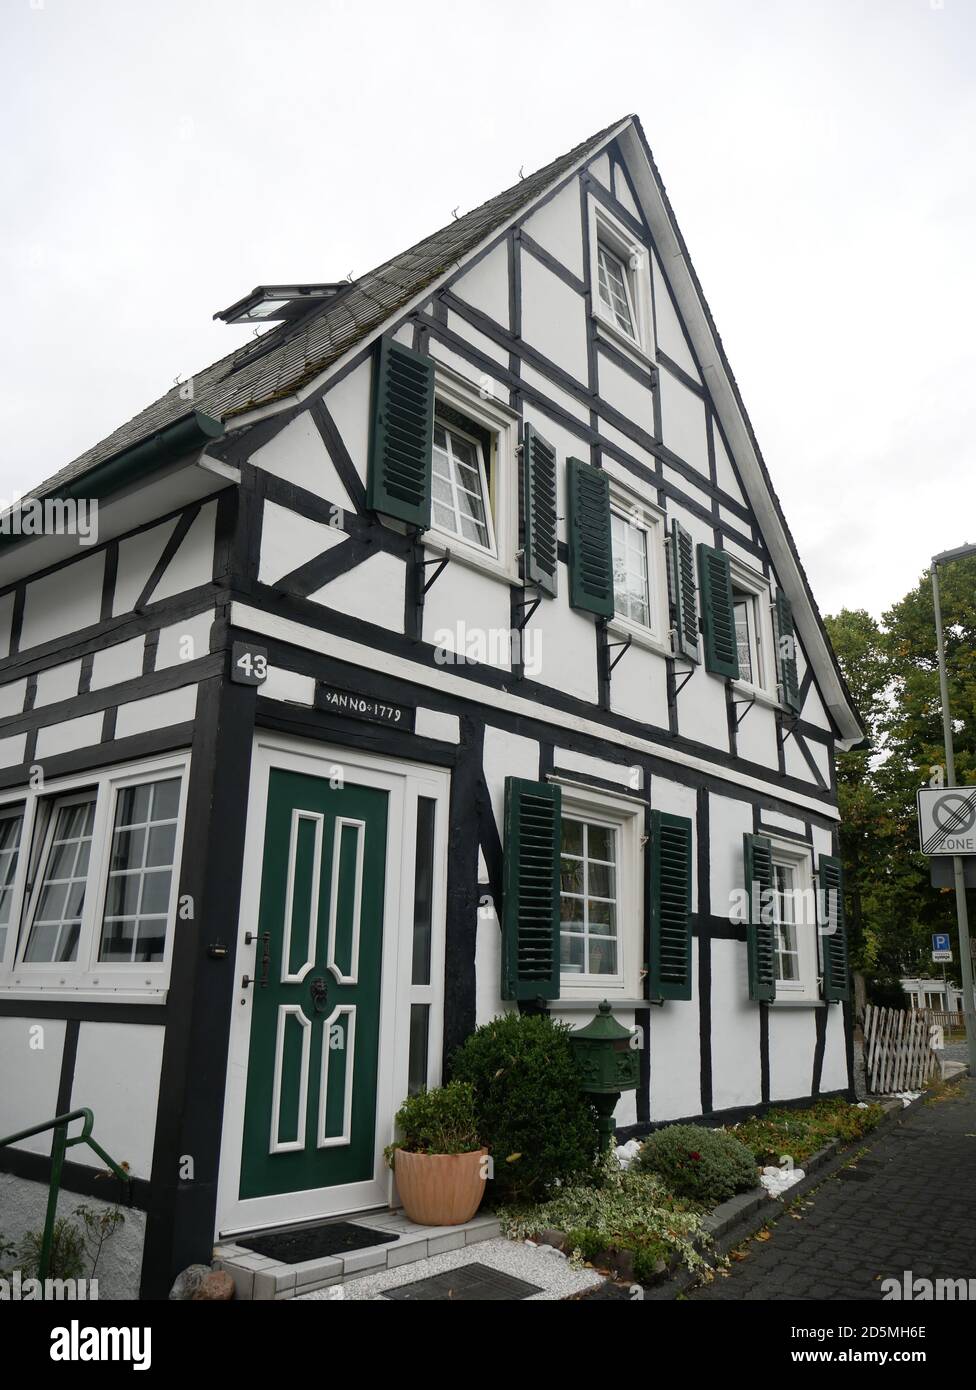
910 1204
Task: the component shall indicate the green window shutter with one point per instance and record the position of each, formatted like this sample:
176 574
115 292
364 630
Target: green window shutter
760 933
786 652
539 501
718 616
402 435
670 874
530 907
836 976
684 592
590 547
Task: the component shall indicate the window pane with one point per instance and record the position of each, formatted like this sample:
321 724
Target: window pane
743 636
588 907
140 872
56 923
613 289
10 829
418 1046
460 489
423 893
631 594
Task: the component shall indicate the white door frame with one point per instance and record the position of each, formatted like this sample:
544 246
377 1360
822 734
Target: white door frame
404 781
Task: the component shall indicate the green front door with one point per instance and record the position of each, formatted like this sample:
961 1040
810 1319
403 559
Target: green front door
310 1116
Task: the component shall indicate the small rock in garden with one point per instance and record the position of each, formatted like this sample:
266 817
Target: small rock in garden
188 1281
550 1237
216 1287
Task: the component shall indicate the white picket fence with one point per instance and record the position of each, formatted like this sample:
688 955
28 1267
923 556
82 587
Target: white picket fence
898 1055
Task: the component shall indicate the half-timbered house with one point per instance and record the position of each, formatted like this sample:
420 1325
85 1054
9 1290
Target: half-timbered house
443 650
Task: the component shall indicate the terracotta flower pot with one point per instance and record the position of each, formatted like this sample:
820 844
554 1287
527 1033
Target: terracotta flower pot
440 1189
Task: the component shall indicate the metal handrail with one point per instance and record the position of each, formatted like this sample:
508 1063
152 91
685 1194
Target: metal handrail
59 1144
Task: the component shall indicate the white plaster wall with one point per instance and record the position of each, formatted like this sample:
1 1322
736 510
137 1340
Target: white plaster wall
24 1205
724 472
507 755
187 640
373 591
628 776
538 381
117 1077
675 1047
299 456
289 539
12 750
756 738
138 556
639 685
30 1069
466 610
619 389
776 819
670 338
554 318
834 1074
792 1039
683 421
193 562
623 194
432 723
65 601
485 285
57 683
156 711
729 820
289 686
68 735
736 1070
557 228
122 662
566 644
348 404
485 345
12 698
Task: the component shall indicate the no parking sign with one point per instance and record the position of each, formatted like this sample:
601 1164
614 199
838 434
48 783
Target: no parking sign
947 820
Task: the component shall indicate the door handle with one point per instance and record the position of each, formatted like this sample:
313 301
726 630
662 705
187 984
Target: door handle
265 963
320 993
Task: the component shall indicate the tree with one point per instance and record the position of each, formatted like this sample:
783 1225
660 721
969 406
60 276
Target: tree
892 671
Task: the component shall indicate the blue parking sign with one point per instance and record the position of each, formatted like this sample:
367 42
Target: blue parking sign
940 941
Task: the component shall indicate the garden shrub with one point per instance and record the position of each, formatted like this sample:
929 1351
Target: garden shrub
437 1122
529 1109
706 1165
622 1211
800 1133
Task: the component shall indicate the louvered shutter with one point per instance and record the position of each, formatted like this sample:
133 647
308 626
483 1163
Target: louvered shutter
760 930
670 875
402 435
530 909
833 929
684 593
539 505
786 652
590 547
718 616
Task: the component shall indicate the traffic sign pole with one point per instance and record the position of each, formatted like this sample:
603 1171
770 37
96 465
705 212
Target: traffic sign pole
962 909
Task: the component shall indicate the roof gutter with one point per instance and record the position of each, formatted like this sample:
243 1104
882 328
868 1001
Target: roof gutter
191 431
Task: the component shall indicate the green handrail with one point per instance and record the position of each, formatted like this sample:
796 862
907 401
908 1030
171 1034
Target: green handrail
59 1144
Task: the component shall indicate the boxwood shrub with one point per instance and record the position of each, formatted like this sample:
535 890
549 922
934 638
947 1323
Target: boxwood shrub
529 1110
706 1165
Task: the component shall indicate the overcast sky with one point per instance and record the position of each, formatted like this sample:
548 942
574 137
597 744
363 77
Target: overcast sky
159 159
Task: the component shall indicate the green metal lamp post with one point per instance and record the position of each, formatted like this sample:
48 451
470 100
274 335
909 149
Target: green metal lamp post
608 1064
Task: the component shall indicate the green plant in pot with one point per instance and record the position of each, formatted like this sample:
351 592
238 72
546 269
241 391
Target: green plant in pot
439 1160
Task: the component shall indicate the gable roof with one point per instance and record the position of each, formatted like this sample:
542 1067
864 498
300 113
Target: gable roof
284 359
278 364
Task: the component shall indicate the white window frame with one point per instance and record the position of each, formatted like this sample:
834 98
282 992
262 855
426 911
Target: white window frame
799 858
87 977
626 816
765 689
454 391
608 231
653 522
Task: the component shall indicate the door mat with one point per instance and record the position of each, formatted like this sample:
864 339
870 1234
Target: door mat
464 1284
314 1242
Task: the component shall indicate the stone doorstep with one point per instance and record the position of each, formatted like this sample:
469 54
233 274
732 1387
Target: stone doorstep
258 1277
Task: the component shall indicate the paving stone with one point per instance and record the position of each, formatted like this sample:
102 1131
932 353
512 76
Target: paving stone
916 1210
